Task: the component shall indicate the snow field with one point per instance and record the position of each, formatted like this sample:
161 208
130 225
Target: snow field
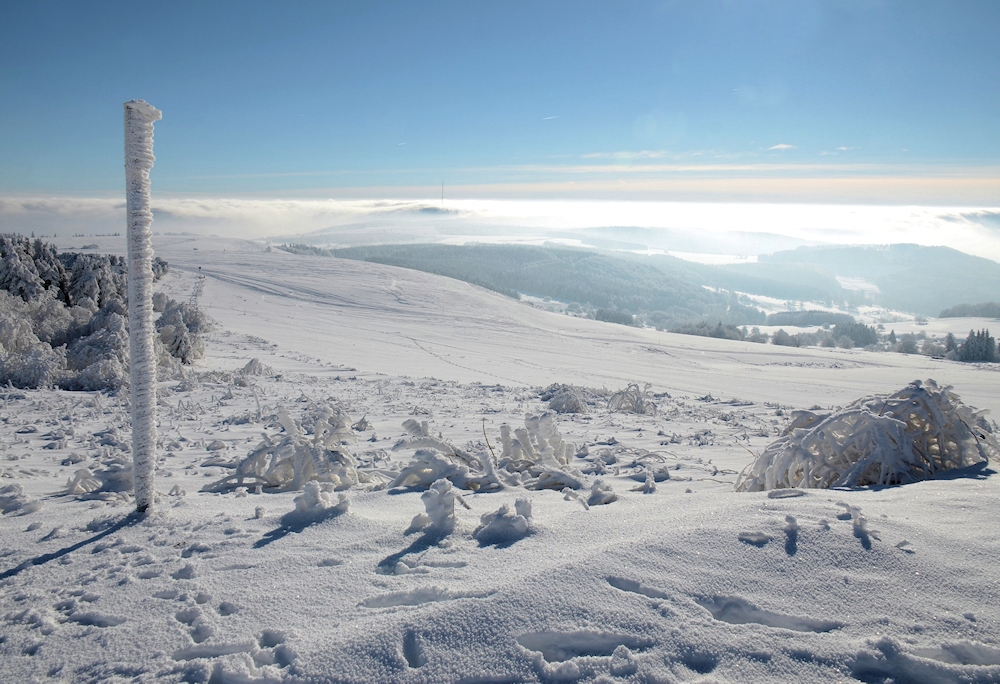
691 582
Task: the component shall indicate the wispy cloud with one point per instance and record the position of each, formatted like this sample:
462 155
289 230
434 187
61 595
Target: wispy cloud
781 147
631 154
837 151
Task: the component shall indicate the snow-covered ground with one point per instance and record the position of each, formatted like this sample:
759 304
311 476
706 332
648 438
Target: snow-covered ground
681 579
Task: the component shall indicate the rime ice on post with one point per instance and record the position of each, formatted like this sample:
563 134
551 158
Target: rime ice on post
139 118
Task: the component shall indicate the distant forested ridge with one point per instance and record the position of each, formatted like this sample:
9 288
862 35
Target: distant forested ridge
587 277
984 310
913 278
666 292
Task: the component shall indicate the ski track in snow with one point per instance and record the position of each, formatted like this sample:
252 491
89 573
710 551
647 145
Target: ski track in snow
691 582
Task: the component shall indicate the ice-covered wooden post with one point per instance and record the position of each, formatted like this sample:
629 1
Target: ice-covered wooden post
139 118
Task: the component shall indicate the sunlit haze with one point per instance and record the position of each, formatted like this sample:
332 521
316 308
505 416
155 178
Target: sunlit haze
821 121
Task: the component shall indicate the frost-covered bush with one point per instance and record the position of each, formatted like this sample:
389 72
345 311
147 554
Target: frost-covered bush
910 435
159 302
601 494
429 466
439 519
317 501
436 458
254 368
109 477
38 366
534 457
29 268
564 399
537 455
633 400
14 500
315 449
505 526
62 317
179 327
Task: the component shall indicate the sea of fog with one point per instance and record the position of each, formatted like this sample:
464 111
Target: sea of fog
685 228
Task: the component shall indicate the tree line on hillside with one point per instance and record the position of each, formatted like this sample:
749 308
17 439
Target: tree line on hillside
807 319
978 347
984 310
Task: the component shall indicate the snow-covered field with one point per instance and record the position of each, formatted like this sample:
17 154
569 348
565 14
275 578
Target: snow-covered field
677 579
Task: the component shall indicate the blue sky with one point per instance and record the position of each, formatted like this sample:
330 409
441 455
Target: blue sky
660 100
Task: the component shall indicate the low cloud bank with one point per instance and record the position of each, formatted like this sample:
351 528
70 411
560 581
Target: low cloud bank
975 230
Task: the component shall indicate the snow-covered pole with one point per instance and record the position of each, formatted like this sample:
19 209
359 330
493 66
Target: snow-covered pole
139 118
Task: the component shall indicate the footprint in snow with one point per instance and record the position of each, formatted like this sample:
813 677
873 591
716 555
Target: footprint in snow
758 539
557 647
737 611
193 618
416 597
413 651
187 572
634 587
791 535
859 523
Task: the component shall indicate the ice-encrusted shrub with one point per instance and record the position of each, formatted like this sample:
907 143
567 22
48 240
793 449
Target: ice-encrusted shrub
62 317
30 268
538 454
633 400
564 399
910 435
317 501
108 478
439 501
16 335
14 500
38 366
436 458
254 368
314 449
535 457
505 526
601 494
428 466
179 327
